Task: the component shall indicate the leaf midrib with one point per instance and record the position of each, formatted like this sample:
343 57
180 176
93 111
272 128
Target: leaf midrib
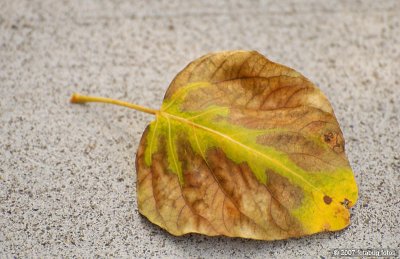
234 141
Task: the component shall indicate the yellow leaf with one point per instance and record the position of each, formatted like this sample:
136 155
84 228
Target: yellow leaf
243 147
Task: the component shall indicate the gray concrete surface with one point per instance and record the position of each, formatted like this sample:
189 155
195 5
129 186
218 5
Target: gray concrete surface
67 173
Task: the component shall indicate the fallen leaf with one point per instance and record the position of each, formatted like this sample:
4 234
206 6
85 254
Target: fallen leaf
243 147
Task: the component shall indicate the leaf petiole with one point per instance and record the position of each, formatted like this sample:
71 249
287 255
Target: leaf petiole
77 98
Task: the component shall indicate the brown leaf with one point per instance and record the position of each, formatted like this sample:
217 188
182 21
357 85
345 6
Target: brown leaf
244 147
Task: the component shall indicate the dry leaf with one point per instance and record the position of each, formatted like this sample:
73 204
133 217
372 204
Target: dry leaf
243 147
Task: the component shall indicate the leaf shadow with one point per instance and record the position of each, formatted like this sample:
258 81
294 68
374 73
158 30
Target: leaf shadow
190 245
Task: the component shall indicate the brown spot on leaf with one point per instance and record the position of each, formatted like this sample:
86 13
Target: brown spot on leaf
327 199
328 137
335 141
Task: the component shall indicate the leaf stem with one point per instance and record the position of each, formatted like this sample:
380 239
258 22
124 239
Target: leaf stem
77 98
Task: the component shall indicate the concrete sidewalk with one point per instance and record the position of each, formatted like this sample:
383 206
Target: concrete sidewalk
67 173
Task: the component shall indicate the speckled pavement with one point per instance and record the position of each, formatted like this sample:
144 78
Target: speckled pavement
67 172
